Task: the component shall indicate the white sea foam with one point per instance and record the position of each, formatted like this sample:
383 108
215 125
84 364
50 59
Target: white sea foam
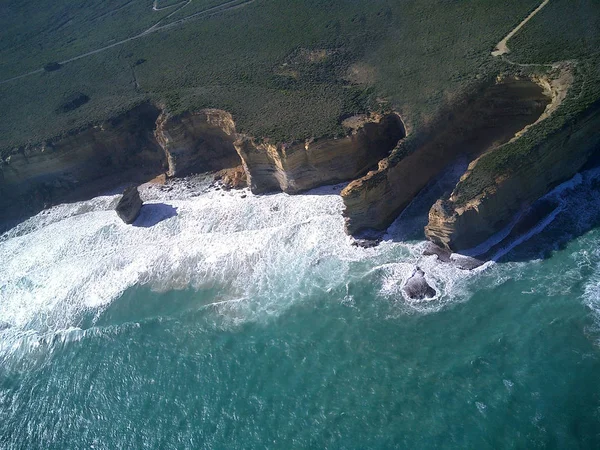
591 295
260 253
276 249
273 250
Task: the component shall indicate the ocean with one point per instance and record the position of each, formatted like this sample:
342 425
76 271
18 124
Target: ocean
224 320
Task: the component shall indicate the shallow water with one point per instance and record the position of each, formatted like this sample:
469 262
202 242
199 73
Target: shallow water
227 320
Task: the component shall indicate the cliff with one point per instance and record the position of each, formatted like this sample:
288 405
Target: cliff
81 164
300 166
131 148
197 142
146 142
388 168
486 119
459 224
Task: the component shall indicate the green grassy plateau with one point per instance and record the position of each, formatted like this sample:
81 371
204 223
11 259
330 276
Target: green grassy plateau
284 69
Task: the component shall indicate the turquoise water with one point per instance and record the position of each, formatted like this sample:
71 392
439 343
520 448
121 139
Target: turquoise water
252 322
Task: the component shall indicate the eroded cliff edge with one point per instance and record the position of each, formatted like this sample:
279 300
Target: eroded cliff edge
148 141
133 147
300 166
500 186
386 169
81 164
197 142
487 118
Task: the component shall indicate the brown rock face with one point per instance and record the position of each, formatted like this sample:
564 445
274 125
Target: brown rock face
463 226
234 178
129 207
134 147
487 119
298 167
197 142
138 146
81 165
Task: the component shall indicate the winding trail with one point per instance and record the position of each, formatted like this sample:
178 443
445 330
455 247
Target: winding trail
158 26
502 46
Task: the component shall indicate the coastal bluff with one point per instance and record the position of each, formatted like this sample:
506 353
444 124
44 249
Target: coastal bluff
148 141
461 223
300 166
385 162
490 116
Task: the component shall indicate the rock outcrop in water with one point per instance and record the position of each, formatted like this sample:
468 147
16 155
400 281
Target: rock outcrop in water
417 288
129 207
485 120
301 166
445 256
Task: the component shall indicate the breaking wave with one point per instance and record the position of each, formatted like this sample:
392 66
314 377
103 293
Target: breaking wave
259 254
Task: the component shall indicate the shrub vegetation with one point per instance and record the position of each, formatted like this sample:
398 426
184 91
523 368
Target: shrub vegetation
285 69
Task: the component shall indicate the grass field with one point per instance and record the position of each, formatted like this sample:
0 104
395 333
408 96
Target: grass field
284 69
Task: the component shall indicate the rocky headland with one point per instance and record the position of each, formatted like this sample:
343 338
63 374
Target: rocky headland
386 167
462 222
486 119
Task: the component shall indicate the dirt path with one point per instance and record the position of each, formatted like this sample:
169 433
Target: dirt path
183 4
156 8
209 12
33 72
502 47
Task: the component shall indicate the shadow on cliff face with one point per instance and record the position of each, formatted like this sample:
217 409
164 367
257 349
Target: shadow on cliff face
332 189
565 214
479 123
410 224
154 213
81 165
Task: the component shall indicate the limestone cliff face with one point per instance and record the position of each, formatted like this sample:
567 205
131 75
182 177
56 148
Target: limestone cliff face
301 166
197 142
463 226
82 164
487 119
146 142
133 147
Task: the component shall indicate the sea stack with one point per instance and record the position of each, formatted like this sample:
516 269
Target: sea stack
128 208
417 288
